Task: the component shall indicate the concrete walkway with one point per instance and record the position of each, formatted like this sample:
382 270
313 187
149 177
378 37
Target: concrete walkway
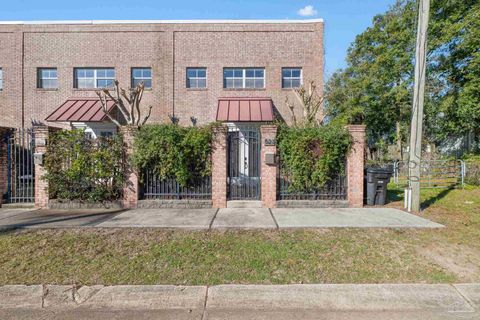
239 218
258 218
323 301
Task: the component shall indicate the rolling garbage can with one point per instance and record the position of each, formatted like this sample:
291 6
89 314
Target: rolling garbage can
377 181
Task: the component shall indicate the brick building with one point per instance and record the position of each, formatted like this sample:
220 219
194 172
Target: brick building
237 72
189 64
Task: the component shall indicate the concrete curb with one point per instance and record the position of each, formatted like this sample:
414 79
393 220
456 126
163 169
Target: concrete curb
327 297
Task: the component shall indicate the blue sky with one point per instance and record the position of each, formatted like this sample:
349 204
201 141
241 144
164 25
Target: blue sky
343 18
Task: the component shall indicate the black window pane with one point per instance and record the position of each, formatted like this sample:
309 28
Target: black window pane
250 73
296 73
148 83
202 73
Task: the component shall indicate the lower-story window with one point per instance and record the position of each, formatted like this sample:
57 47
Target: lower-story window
90 78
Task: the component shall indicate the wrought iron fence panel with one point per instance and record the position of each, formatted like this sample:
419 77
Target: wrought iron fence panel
155 187
20 167
334 189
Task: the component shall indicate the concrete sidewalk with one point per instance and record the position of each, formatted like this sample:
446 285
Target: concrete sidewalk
229 218
259 218
324 301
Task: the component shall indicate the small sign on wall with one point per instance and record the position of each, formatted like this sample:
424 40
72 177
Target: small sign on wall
270 142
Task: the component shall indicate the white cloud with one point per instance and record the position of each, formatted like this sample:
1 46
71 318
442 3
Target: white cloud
307 11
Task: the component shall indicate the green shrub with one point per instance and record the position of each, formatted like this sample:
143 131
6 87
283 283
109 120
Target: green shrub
472 164
311 156
172 151
80 168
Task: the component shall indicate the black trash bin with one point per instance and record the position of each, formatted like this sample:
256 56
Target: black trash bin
377 181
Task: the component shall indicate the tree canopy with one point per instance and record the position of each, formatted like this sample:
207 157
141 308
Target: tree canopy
377 85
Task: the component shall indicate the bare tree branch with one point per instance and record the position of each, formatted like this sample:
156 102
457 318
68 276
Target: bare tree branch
103 101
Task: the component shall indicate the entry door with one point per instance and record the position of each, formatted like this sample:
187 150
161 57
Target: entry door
244 164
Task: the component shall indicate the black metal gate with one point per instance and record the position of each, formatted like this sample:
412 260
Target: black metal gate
243 164
20 177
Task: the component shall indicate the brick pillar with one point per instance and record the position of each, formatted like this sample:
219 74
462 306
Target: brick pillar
130 191
268 172
355 165
3 163
219 167
41 186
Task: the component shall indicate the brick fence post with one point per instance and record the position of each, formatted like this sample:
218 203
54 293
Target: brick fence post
269 172
3 162
40 134
130 190
355 166
219 167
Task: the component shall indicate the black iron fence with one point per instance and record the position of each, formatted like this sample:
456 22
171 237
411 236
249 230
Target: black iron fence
20 175
334 189
169 189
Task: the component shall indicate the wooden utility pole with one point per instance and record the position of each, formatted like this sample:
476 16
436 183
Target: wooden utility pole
416 130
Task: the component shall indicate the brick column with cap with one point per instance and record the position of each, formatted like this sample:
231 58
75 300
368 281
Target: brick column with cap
40 134
219 167
355 166
3 162
269 171
130 190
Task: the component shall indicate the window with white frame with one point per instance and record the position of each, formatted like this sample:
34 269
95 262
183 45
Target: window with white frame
1 79
47 78
244 78
88 78
197 78
292 77
142 74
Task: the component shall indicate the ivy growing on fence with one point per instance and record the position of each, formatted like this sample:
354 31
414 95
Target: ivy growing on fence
311 156
172 151
85 169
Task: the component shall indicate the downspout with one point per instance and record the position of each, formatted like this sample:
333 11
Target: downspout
173 73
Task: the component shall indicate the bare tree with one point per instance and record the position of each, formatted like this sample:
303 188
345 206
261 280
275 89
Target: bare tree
128 104
310 101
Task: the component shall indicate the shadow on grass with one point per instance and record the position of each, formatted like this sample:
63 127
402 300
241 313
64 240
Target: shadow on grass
434 198
394 195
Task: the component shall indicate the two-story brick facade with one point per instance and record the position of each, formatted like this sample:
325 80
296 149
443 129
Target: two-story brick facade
168 49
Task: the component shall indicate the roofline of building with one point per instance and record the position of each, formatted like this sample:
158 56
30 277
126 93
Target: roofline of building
93 22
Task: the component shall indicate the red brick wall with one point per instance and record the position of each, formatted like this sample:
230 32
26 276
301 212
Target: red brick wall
355 166
3 162
41 186
168 49
268 172
219 167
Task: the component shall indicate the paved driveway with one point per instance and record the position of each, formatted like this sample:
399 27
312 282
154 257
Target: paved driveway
30 218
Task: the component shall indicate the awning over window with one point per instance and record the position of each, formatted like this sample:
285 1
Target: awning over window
244 109
81 110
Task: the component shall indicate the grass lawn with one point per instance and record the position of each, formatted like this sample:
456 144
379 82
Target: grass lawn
153 256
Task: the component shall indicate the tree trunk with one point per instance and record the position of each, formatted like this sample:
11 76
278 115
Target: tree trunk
399 140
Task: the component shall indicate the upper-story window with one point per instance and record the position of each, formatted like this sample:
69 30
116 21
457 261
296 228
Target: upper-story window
1 79
196 78
142 74
88 78
47 78
291 77
244 78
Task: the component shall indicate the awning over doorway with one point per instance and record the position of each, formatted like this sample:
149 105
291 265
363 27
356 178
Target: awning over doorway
241 109
81 110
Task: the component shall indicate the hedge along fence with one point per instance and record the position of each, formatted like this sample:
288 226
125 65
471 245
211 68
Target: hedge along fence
312 156
177 159
85 169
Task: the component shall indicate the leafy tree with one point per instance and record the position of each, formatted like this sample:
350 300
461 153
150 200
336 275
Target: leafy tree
376 86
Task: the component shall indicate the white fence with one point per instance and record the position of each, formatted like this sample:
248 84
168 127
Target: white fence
434 173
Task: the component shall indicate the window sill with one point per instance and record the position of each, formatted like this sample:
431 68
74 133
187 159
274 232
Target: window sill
91 89
197 89
144 89
290 89
244 89
45 90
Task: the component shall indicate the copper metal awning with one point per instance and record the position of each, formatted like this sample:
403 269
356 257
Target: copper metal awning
81 110
241 109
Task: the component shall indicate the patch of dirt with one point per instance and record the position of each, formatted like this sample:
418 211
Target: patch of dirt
460 260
